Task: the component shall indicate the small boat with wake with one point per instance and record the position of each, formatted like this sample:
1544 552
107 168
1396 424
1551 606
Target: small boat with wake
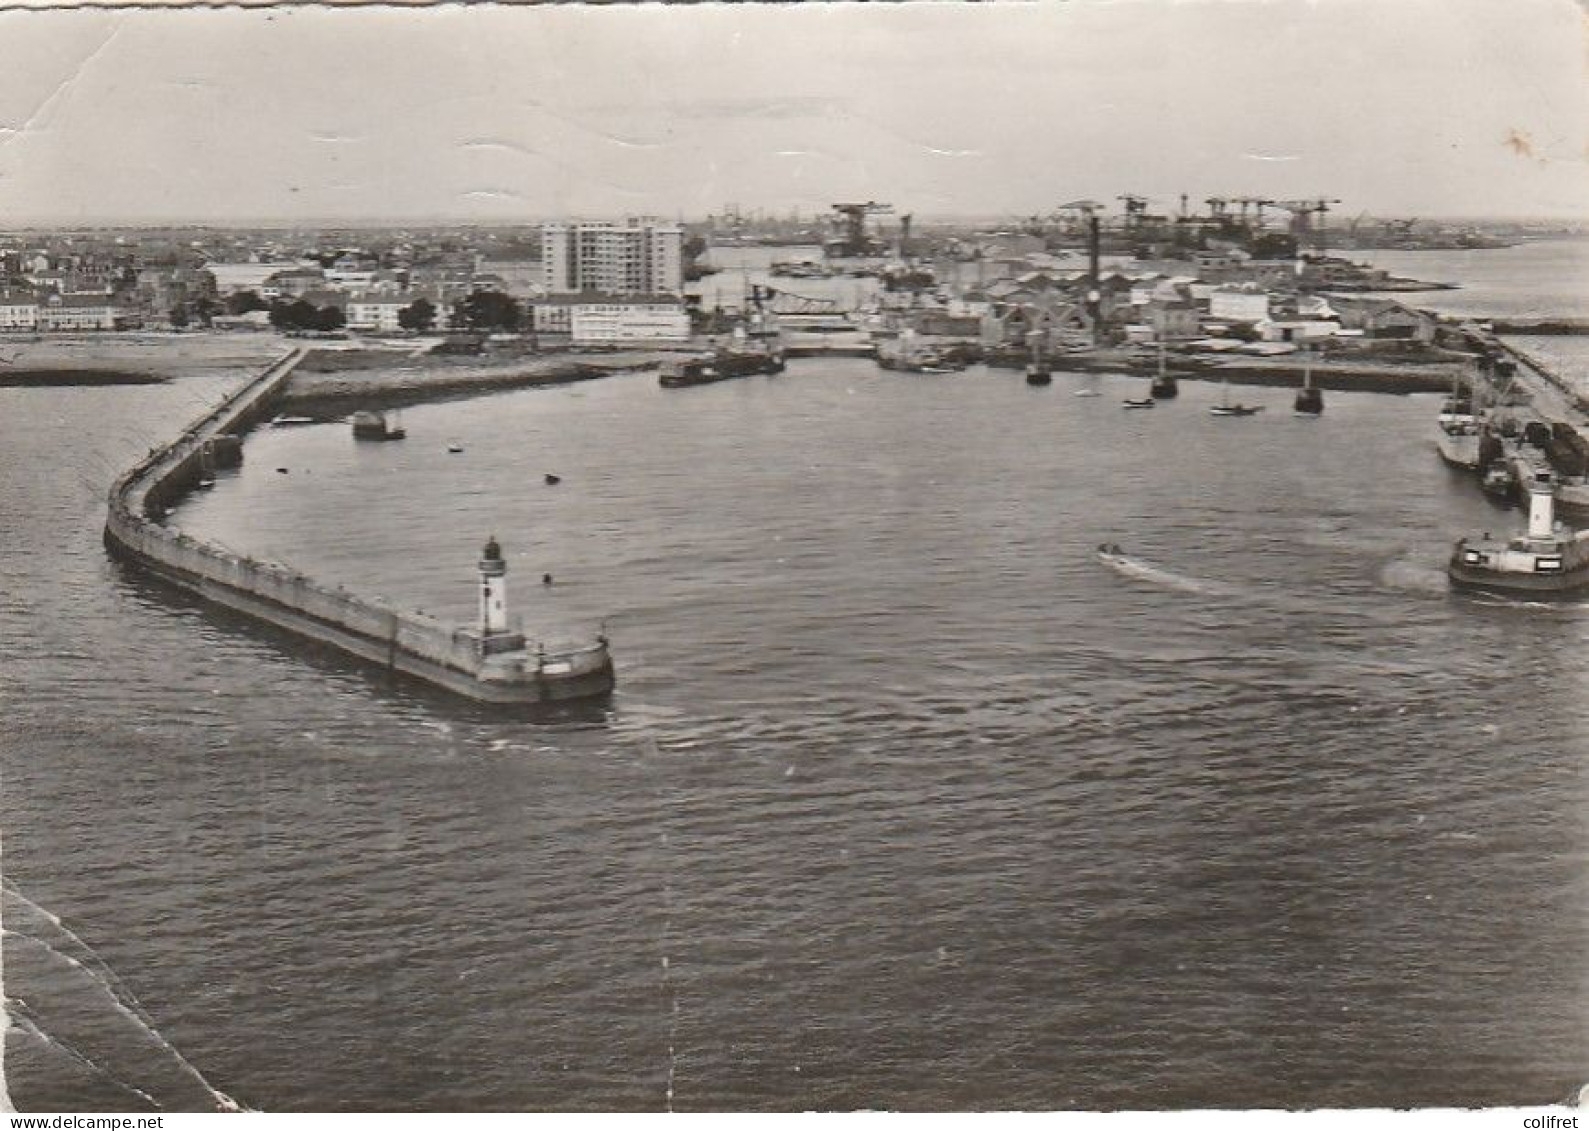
1225 408
1138 402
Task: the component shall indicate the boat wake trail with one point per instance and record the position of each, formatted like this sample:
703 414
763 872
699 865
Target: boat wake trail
1415 575
1128 566
60 942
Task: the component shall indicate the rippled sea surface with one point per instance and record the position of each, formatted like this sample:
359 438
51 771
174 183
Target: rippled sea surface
906 800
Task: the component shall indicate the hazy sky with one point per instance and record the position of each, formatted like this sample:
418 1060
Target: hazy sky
1416 107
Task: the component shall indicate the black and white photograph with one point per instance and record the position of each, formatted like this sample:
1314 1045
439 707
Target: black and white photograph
779 558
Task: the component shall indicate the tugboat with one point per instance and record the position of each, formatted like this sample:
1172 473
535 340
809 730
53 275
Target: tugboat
368 425
1548 559
1310 398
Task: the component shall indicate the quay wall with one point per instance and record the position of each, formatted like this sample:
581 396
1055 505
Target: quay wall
1546 374
270 591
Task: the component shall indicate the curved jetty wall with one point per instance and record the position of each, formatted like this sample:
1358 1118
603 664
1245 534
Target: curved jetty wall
135 529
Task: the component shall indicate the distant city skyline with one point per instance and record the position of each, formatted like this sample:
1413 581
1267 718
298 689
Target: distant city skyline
488 115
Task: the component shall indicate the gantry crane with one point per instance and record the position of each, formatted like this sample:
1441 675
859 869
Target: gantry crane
851 220
1302 213
1136 208
1256 203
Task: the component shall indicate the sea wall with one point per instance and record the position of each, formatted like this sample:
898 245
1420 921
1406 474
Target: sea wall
135 528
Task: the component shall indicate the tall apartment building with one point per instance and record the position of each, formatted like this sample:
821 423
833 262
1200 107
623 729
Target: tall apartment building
634 257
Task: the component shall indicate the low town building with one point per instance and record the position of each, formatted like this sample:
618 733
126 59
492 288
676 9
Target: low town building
611 323
606 318
18 312
1386 319
80 312
1238 305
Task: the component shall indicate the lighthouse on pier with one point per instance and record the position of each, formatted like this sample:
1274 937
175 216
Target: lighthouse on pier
1542 508
493 590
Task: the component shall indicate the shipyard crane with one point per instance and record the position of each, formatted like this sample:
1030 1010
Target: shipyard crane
1136 207
851 219
1216 206
1074 215
1256 203
1302 212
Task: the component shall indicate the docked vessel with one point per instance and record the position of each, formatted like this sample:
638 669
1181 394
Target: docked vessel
722 364
1458 435
909 357
1548 559
1164 387
369 425
1310 398
1037 371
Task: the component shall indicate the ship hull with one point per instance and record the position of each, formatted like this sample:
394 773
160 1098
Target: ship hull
1569 583
1461 452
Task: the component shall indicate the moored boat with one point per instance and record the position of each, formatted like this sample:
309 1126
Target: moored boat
1310 398
722 364
1164 387
371 425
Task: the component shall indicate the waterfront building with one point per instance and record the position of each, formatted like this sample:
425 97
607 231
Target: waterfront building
18 312
378 310
80 312
1238 306
610 319
637 256
1296 329
1386 318
1173 318
375 311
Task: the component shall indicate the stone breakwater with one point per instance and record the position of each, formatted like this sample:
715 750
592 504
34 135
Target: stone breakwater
412 383
398 641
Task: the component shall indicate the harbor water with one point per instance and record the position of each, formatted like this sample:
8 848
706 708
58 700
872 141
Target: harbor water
907 799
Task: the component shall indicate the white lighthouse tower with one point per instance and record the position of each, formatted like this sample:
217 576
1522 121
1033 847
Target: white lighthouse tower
1541 509
493 590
